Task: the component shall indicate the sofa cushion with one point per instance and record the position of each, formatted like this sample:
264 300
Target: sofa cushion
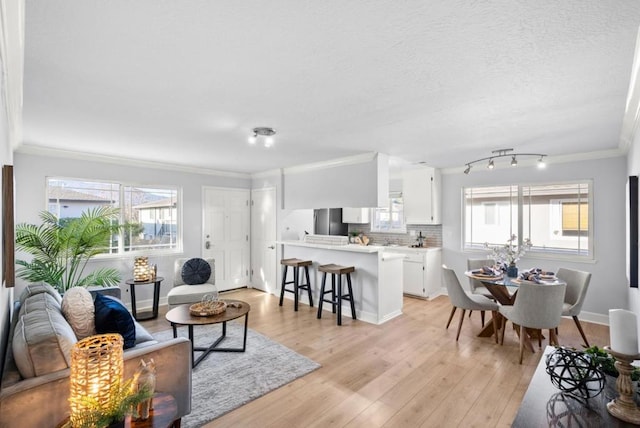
37 302
196 271
33 289
79 311
113 317
184 294
42 342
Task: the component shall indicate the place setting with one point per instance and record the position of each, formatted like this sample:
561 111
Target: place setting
537 276
486 273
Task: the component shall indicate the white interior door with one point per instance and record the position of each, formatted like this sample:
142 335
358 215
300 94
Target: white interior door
226 235
263 239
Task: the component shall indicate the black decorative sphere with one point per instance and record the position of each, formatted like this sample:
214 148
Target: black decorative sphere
575 373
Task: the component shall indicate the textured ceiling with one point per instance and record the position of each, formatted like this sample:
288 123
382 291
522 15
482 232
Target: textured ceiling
183 82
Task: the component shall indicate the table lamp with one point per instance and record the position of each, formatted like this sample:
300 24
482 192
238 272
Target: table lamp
141 269
97 367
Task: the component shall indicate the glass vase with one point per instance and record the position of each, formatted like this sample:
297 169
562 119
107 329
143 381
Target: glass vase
512 270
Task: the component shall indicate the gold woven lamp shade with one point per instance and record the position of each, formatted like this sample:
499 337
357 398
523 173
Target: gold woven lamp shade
141 269
97 365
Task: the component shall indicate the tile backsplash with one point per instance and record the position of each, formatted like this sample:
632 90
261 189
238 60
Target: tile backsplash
432 235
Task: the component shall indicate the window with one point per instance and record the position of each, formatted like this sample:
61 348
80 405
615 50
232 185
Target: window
391 218
491 213
556 217
149 214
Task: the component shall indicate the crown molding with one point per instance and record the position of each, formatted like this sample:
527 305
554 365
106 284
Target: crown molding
349 160
267 174
69 154
549 160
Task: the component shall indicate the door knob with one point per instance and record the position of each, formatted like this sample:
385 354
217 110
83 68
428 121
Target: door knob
271 247
207 245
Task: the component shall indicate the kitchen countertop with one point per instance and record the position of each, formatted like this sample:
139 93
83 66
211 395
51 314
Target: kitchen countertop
360 248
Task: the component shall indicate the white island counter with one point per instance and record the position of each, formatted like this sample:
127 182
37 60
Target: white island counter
377 280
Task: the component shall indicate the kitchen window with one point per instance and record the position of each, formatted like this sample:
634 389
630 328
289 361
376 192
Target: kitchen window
389 219
556 217
150 215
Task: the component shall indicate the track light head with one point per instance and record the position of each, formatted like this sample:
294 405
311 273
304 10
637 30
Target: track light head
541 163
467 169
490 165
514 161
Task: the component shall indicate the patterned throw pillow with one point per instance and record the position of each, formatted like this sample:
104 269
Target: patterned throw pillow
79 311
196 271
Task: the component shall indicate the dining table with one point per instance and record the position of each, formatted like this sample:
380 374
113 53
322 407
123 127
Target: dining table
505 290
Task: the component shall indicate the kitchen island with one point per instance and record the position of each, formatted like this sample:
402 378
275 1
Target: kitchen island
377 280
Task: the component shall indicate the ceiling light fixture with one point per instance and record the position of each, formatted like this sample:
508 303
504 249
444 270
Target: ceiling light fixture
500 153
263 131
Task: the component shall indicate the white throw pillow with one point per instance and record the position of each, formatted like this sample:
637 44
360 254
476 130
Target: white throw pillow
79 311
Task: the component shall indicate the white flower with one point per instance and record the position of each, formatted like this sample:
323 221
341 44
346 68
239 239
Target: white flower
510 252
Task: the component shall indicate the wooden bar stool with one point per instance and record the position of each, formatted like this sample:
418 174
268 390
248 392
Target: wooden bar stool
336 293
296 264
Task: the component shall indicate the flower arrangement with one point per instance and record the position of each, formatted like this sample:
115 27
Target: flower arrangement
509 253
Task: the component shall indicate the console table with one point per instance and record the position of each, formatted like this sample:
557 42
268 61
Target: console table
544 405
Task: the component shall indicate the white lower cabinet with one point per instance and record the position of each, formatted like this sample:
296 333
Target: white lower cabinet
422 269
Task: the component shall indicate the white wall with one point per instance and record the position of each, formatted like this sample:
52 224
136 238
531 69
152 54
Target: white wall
608 287
31 171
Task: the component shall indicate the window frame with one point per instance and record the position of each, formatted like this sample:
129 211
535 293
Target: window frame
374 212
120 252
537 252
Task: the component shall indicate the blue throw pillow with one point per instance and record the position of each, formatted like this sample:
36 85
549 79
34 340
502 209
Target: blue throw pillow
113 317
196 271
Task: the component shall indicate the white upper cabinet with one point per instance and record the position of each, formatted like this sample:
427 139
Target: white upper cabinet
355 215
421 195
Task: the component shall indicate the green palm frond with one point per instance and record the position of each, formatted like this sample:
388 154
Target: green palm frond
60 250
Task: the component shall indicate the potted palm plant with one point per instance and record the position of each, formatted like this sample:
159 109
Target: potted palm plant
61 248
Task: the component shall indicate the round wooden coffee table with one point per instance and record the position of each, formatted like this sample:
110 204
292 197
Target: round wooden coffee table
235 309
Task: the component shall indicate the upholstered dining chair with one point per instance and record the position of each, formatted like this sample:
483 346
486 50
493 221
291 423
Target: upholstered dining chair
466 301
193 279
538 307
577 285
476 286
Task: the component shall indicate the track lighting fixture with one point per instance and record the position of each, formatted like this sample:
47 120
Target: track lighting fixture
262 131
500 153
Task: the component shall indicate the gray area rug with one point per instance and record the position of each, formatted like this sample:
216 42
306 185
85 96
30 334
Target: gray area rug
224 381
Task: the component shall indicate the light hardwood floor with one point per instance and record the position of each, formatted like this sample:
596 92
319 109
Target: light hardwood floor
408 372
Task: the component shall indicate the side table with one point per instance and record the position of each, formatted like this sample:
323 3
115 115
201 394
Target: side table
162 416
156 298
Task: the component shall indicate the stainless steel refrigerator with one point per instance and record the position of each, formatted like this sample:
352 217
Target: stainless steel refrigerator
328 221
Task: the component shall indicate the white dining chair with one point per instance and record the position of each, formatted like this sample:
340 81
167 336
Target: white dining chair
537 307
577 285
466 301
